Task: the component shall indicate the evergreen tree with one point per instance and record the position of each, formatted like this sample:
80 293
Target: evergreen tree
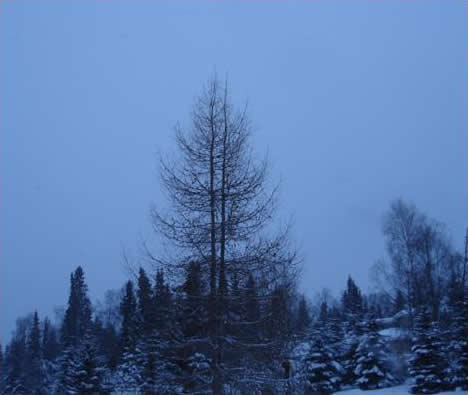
128 375
34 377
162 302
194 316
352 298
303 316
321 372
193 319
145 303
460 346
77 322
15 365
150 364
50 345
77 318
67 371
158 373
251 308
348 358
277 328
107 343
35 338
372 367
128 309
2 370
198 379
323 316
88 374
129 372
236 311
279 322
427 365
334 336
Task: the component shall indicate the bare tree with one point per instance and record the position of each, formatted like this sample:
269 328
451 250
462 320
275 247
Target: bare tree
221 206
420 261
401 227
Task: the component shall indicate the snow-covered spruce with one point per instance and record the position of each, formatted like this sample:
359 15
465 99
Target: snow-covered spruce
321 371
88 374
427 363
458 346
127 376
372 367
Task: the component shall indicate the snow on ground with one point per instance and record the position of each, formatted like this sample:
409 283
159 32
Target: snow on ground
394 333
399 389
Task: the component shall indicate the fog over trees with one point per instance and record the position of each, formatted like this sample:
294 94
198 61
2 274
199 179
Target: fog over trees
216 309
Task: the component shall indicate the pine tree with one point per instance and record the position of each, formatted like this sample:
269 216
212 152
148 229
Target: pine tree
321 370
427 364
372 367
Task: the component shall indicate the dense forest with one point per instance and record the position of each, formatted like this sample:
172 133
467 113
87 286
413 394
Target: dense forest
218 308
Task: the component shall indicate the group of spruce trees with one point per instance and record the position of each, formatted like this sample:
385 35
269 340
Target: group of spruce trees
154 348
348 350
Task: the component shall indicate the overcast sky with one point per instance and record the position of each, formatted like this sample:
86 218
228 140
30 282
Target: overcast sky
357 103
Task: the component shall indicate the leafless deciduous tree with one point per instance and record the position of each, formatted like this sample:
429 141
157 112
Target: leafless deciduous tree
221 206
422 263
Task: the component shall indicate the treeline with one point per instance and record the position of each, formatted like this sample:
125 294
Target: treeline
155 344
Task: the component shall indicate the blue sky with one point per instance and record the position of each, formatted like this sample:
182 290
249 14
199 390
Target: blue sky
357 102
